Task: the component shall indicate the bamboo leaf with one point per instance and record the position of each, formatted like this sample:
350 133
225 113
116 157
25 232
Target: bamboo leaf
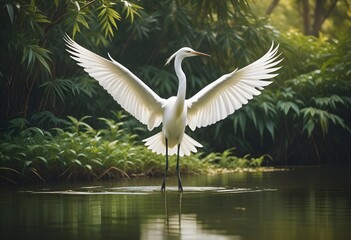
330 101
43 62
323 120
32 53
286 106
270 125
9 8
81 19
108 17
309 127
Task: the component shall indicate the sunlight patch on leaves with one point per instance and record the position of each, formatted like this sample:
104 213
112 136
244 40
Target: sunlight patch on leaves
108 17
132 10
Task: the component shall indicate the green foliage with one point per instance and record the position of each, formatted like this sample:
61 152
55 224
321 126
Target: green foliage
33 33
227 160
34 72
102 13
78 152
33 53
219 28
81 152
108 17
303 117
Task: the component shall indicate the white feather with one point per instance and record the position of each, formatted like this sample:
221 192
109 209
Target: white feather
231 91
156 143
213 103
127 89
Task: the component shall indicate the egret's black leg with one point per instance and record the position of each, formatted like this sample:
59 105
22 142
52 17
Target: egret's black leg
163 187
180 187
180 210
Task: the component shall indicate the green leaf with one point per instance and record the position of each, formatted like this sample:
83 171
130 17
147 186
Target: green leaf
132 9
77 162
239 122
309 127
330 101
323 120
27 163
40 18
44 62
81 19
32 53
42 159
286 106
97 161
267 107
270 125
73 152
108 17
88 167
9 8
308 112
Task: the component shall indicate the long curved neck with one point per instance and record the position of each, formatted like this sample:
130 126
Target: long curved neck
182 80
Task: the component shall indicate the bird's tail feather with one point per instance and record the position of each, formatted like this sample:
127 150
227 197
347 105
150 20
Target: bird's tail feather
157 144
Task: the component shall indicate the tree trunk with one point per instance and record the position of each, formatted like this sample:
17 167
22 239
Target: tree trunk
272 6
320 15
306 17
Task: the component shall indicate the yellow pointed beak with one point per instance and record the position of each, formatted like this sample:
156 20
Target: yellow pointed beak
201 54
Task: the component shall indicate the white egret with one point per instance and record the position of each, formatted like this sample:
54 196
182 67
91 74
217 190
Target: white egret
213 103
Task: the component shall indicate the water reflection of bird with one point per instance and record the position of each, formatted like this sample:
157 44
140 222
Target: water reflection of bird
213 103
167 215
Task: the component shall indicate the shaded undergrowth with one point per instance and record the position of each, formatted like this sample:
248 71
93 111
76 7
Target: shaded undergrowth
79 152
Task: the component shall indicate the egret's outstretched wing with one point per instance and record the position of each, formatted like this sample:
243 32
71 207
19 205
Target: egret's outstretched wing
228 93
127 89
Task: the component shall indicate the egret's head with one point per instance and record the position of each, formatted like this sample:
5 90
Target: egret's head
185 52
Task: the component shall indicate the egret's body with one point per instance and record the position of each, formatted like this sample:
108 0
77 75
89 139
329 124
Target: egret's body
174 121
213 103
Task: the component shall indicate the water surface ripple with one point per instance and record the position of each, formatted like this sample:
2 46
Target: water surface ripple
304 203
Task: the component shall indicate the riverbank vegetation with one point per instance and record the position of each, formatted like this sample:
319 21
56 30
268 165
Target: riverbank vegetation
302 118
76 151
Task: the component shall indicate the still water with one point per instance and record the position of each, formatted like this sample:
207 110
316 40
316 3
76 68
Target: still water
303 203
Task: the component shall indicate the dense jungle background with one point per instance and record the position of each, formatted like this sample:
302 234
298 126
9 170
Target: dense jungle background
50 107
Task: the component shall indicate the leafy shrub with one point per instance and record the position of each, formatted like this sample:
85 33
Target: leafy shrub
80 152
303 119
